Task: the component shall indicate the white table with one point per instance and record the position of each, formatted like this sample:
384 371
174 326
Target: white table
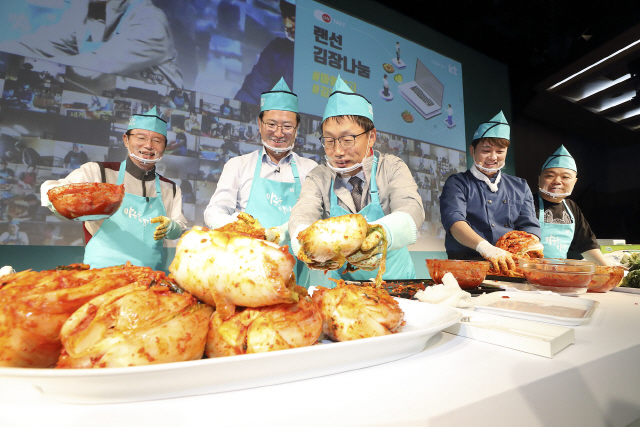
454 382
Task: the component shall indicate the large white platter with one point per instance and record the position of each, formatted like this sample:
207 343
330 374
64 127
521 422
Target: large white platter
547 305
238 372
626 289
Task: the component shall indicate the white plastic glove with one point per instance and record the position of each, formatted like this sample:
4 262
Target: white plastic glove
502 260
6 270
369 255
55 212
214 221
278 234
401 229
295 244
168 228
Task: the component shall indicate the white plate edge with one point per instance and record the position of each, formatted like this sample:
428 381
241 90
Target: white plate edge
50 373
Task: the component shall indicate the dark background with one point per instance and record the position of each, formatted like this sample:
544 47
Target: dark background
537 40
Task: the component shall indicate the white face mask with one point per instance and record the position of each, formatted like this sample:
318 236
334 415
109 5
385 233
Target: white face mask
342 170
549 181
489 170
273 149
276 150
144 161
554 195
350 168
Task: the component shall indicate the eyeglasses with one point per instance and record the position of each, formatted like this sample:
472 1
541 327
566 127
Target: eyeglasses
273 128
346 141
140 137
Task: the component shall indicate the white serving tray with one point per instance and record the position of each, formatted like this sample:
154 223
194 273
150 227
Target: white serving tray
222 374
626 289
537 338
542 300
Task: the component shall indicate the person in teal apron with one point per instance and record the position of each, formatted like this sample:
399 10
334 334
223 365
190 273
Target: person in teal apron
357 179
135 232
562 223
266 183
482 204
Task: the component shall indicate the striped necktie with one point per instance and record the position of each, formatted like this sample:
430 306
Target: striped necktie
356 191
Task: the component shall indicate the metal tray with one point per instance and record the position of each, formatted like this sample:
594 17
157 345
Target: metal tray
407 288
505 278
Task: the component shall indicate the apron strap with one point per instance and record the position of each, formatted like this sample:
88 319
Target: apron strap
258 168
296 176
541 210
294 170
158 190
373 187
121 172
569 210
334 198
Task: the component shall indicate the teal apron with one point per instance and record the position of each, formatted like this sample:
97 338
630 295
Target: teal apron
399 263
127 235
271 202
556 238
86 46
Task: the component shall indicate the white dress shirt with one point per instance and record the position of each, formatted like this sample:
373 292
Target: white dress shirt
234 186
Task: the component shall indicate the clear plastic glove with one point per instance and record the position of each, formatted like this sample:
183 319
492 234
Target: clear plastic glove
217 220
502 260
168 228
278 234
369 255
400 228
55 212
295 244
368 264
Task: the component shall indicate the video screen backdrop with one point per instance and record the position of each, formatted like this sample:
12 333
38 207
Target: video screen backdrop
72 72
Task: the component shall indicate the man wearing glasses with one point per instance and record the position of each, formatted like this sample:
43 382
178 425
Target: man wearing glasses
131 234
357 179
267 182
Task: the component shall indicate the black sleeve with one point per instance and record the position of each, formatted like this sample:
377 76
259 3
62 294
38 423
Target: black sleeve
583 238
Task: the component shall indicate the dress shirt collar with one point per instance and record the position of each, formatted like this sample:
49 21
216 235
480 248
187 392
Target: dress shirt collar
284 160
139 173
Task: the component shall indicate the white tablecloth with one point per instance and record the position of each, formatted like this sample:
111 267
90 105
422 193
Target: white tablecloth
454 382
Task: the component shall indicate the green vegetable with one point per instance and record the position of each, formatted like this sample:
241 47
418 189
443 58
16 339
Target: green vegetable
631 280
631 260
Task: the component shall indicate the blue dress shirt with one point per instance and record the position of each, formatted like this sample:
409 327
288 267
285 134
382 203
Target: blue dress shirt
491 215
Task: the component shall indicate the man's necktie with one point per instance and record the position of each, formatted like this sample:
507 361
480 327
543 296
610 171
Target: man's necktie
356 192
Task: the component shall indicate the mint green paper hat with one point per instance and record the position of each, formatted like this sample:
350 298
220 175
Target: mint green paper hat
344 102
495 128
561 159
148 121
279 98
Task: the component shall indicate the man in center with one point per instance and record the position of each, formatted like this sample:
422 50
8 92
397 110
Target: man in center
357 179
266 183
